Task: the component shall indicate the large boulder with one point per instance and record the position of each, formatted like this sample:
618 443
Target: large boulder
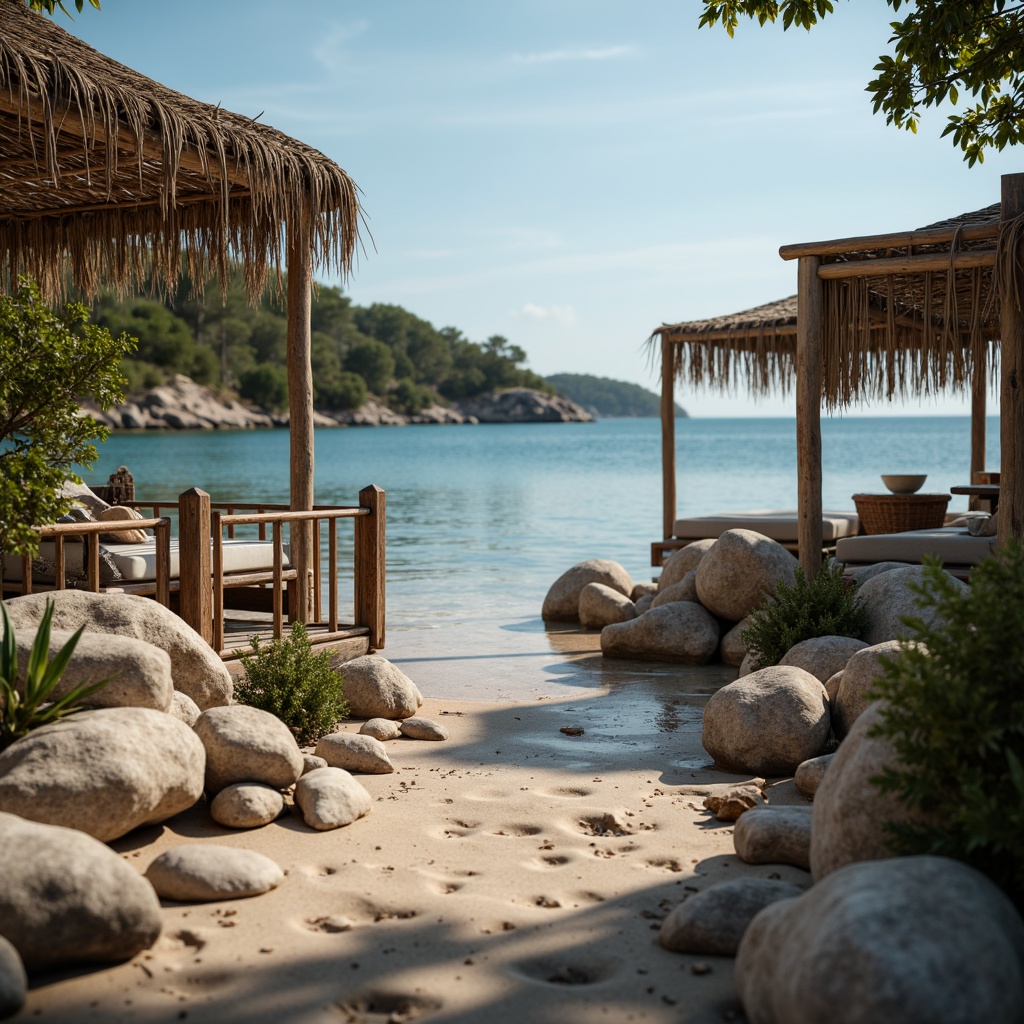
733 650
104 772
600 606
683 561
712 922
66 898
562 602
767 722
684 590
739 570
207 871
374 688
914 939
681 631
850 812
245 744
13 980
888 597
823 656
774 835
195 667
138 674
850 699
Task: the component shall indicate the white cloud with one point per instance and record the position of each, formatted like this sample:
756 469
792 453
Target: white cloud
574 53
329 51
563 315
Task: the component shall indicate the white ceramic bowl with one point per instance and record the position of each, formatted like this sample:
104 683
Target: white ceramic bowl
904 483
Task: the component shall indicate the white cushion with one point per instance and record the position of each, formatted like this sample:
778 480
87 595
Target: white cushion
953 544
779 524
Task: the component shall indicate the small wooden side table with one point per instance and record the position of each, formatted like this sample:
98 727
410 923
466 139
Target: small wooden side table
900 513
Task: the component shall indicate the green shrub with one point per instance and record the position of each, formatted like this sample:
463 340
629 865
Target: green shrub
825 606
287 679
955 714
27 702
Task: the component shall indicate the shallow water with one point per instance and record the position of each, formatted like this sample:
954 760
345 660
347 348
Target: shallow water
481 519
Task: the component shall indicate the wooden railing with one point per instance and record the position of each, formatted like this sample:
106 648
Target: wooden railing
88 534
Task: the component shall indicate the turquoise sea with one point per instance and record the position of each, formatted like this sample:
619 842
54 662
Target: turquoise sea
481 519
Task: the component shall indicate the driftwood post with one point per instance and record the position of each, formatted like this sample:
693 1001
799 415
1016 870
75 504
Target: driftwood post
668 441
300 411
809 319
1011 391
196 594
369 564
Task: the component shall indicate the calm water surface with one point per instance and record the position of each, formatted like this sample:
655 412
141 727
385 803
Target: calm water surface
481 519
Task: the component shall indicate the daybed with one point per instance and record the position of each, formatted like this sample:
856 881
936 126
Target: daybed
958 550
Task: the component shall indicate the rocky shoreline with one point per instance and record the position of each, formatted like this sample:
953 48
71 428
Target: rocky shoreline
185 405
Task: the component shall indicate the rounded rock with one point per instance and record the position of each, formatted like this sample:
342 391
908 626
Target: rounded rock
310 763
245 744
562 602
809 773
774 835
850 699
420 728
184 708
196 669
684 590
643 604
712 922
682 561
681 631
642 590
354 752
103 772
738 572
331 798
888 597
823 656
895 940
767 722
733 649
246 805
600 606
67 898
381 729
374 688
204 872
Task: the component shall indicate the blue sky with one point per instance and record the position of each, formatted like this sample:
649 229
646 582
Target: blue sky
570 173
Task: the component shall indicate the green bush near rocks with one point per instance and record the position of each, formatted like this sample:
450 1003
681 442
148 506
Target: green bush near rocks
824 606
301 688
954 712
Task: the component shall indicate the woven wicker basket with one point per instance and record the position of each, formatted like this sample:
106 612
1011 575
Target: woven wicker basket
898 513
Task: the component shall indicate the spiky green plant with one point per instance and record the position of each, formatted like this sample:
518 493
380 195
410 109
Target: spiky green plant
824 606
287 679
954 712
27 702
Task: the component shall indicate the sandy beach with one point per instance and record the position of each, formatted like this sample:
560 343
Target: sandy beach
512 873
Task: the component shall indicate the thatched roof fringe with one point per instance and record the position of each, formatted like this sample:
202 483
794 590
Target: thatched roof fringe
173 171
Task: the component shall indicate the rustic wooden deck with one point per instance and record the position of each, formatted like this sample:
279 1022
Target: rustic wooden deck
351 641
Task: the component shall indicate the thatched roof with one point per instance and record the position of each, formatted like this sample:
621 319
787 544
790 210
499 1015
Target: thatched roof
903 330
109 176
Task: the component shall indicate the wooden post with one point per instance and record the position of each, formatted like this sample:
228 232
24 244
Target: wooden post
300 412
979 389
809 320
195 594
1011 389
369 565
668 441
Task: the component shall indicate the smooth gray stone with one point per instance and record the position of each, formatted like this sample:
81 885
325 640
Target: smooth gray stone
204 872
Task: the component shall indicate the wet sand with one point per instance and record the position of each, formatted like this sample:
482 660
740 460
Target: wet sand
513 873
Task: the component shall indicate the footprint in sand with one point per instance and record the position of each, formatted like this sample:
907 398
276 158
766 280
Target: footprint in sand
396 1007
552 861
489 795
603 825
555 970
567 792
665 863
517 831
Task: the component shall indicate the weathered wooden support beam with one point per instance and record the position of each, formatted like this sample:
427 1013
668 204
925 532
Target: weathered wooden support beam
370 554
979 395
300 412
930 262
892 240
195 589
668 440
1011 390
809 321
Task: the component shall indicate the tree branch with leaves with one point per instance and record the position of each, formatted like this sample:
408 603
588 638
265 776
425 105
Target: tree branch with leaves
942 50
